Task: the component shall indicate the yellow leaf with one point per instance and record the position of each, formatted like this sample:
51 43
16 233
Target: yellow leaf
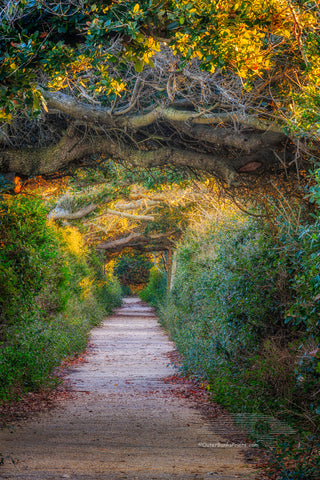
136 8
44 105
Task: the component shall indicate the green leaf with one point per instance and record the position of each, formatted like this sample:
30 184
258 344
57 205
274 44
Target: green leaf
138 66
173 25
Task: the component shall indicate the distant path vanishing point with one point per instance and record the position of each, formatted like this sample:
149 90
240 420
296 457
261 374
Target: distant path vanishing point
123 422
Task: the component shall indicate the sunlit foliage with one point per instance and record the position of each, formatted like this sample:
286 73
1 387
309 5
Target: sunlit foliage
52 291
72 45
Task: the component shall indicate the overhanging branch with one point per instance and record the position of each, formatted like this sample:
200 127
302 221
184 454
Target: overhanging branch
229 137
137 241
38 161
94 113
147 218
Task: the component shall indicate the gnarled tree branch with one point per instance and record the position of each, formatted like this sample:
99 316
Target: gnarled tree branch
142 202
102 115
38 161
60 214
139 242
147 218
248 142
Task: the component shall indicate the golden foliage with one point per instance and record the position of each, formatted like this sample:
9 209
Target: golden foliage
73 241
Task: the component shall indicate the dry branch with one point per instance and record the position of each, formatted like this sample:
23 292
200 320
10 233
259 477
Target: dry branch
139 242
109 211
142 202
103 115
60 214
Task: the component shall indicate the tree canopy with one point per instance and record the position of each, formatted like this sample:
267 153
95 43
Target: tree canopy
225 87
129 210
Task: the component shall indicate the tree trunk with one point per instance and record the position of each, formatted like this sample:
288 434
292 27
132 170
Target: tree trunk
169 269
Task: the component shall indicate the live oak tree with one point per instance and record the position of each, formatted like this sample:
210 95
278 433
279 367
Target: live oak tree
123 214
230 88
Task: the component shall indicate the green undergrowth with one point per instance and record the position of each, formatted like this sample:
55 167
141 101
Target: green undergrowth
244 312
156 289
52 292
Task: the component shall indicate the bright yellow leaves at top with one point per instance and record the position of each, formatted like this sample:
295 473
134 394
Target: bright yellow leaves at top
137 10
5 117
247 36
151 43
76 76
142 51
71 74
151 46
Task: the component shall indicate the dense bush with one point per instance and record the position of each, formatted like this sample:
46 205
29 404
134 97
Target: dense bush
156 289
29 255
52 291
225 299
244 312
132 269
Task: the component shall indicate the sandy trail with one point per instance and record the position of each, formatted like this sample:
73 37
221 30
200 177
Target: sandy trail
123 422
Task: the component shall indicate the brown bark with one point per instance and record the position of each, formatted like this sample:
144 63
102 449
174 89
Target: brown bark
138 242
38 161
142 202
102 115
204 127
169 268
248 142
63 215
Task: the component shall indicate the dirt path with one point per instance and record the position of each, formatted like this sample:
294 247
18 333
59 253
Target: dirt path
123 422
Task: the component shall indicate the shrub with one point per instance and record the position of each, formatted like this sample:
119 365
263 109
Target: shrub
228 314
244 312
155 291
52 291
29 257
132 269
